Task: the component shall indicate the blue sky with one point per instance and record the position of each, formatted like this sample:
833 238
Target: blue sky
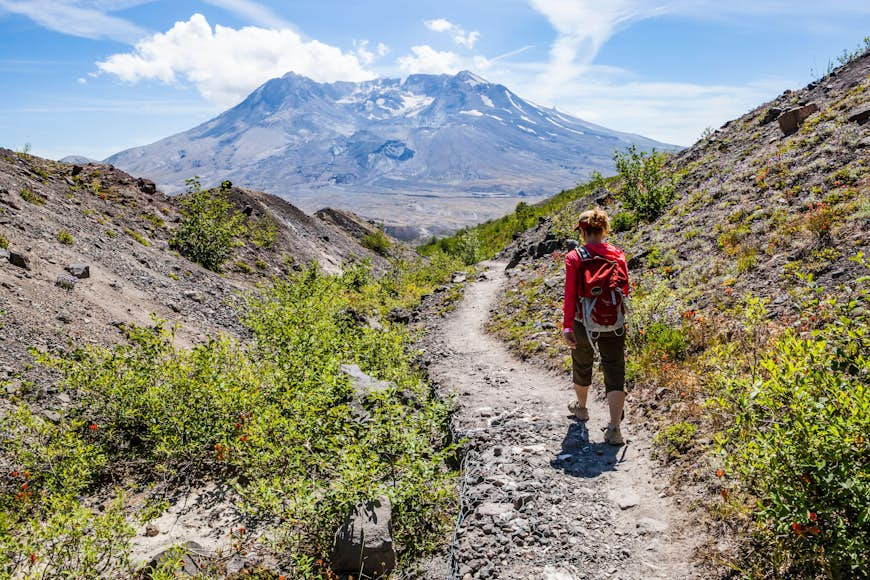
93 77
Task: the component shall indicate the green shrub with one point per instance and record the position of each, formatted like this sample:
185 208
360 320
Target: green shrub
666 340
468 247
4 242
675 439
66 238
645 188
377 241
277 418
796 436
209 225
623 221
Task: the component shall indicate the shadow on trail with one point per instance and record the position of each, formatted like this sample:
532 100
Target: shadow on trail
580 458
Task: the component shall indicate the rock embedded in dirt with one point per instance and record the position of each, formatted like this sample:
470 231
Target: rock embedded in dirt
80 271
19 259
364 543
860 115
191 563
399 315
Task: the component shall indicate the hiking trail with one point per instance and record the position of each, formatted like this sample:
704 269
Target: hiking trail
542 495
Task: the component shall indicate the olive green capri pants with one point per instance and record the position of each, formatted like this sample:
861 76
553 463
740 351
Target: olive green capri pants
612 349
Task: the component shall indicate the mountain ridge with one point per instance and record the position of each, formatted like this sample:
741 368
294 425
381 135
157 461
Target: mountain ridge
390 149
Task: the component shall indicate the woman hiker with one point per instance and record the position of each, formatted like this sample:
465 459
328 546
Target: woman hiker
596 282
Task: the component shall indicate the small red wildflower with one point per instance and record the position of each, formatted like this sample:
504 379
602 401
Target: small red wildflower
720 473
813 516
724 494
238 425
93 427
244 438
26 475
33 558
14 474
729 290
797 528
24 485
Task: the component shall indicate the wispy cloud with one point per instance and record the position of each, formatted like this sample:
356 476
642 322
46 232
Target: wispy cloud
460 36
253 12
79 18
225 64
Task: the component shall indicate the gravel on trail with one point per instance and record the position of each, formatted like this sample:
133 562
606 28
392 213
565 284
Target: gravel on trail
542 495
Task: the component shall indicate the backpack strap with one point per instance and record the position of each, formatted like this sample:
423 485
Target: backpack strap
583 253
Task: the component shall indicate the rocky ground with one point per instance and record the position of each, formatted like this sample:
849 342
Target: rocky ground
542 495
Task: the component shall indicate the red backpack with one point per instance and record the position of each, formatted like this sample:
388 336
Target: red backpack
601 307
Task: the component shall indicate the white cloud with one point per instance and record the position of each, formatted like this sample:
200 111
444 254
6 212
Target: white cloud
460 37
78 17
383 49
430 61
225 64
439 25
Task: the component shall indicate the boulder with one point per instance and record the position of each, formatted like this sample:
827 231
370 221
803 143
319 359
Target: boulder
4 254
790 120
459 277
80 271
364 543
20 260
146 186
771 115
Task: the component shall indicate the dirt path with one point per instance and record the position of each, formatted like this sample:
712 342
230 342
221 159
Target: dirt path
543 497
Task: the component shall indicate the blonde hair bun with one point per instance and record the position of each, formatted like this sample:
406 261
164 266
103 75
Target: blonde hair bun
594 221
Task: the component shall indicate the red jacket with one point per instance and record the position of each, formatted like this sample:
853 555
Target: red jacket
573 263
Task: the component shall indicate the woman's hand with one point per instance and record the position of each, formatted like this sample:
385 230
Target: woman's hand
570 339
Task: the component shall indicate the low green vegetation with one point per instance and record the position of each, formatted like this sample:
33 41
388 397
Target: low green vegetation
30 196
137 236
276 418
209 225
66 238
4 242
376 241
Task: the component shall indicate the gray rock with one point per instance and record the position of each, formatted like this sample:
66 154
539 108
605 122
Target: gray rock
191 563
628 500
80 271
650 525
194 295
364 543
20 260
399 315
459 277
4 254
860 115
